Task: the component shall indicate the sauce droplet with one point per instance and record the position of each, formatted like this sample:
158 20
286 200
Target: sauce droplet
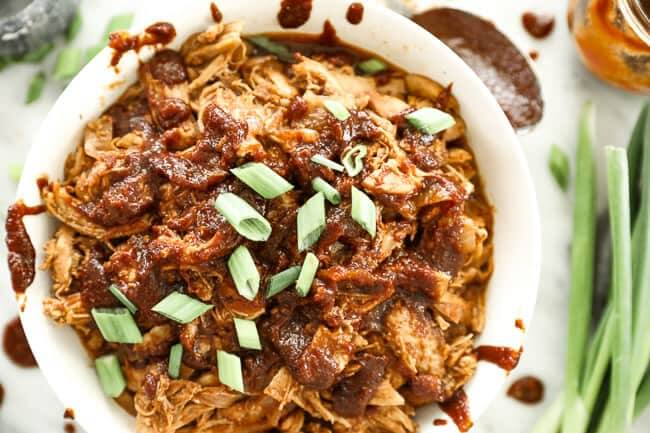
538 25
494 58
217 16
68 413
21 254
69 428
355 13
519 324
157 33
15 345
534 54
439 422
458 410
294 13
528 390
328 35
504 357
2 394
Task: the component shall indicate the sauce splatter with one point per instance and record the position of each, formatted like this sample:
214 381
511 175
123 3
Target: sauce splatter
21 255
504 357
294 13
534 54
519 323
2 394
69 428
14 343
538 25
458 410
328 35
355 13
439 422
494 58
68 413
217 16
157 33
528 389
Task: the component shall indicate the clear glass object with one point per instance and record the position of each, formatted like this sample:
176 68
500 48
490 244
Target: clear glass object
613 39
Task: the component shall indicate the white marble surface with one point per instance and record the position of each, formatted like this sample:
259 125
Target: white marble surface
30 406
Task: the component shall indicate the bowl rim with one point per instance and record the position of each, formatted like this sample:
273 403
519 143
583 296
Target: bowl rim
61 126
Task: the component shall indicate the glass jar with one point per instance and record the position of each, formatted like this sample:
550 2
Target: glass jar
613 38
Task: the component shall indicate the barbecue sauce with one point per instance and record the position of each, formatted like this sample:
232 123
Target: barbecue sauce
457 408
528 390
14 343
504 357
538 25
355 13
439 422
499 64
157 33
217 16
294 13
20 250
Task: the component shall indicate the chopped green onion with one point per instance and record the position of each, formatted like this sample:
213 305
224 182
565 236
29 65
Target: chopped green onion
282 280
262 180
15 171
272 47
244 272
4 62
230 373
117 22
311 221
175 358
321 160
110 375
364 211
622 392
337 109
74 27
122 298
558 163
37 55
91 52
307 274
181 308
331 194
247 334
635 154
243 217
430 120
372 66
35 88
68 63
117 325
353 159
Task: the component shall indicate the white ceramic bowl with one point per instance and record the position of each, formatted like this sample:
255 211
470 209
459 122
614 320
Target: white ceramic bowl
513 287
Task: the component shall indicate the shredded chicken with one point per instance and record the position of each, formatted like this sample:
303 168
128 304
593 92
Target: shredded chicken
389 322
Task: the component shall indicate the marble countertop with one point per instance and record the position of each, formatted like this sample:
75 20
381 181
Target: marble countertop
30 406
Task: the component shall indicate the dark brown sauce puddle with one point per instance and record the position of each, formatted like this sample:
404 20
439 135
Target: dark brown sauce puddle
294 13
499 64
504 357
538 25
528 390
14 343
355 13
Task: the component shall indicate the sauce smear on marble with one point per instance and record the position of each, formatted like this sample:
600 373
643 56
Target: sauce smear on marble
14 343
20 250
355 13
539 26
294 13
528 390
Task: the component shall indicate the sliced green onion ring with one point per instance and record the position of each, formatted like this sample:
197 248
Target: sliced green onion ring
430 120
272 47
181 308
353 159
262 180
244 272
68 63
321 160
311 221
15 171
364 211
122 298
558 163
74 27
243 217
247 334
372 66
307 274
230 373
337 109
37 55
35 88
282 280
175 358
110 375
117 325
331 194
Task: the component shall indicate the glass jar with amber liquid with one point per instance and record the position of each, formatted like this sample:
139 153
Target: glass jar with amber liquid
613 38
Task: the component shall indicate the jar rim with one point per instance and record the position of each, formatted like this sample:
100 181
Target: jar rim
637 15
